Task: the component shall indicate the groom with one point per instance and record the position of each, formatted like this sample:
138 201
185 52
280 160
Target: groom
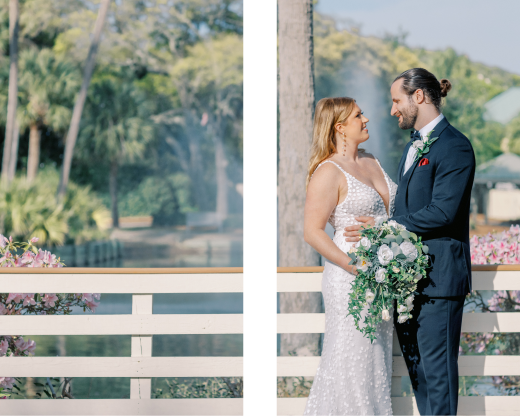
433 201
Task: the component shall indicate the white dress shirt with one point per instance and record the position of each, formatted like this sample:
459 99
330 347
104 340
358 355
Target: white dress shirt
412 151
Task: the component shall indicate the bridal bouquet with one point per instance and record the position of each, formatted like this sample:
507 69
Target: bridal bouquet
390 261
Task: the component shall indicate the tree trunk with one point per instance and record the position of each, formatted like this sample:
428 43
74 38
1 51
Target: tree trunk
14 152
12 100
72 134
112 184
221 177
33 161
296 104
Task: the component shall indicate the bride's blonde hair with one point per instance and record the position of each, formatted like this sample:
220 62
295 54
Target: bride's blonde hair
329 112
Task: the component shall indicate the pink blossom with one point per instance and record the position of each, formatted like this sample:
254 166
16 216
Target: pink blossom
7 382
50 299
34 239
4 345
16 297
29 299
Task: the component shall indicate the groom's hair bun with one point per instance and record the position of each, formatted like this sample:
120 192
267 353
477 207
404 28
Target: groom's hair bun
445 87
420 79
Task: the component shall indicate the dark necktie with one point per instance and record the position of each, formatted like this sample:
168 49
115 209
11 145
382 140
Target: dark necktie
415 135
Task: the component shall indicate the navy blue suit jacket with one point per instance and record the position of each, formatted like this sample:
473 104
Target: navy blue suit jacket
433 201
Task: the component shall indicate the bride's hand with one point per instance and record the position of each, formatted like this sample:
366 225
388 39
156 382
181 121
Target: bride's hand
352 231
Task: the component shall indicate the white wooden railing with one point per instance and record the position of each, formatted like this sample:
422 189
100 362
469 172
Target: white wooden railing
141 325
505 277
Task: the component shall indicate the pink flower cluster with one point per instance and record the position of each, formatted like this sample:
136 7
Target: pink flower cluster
33 303
503 248
14 346
31 256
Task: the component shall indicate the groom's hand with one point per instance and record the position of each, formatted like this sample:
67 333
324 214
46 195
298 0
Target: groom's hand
352 231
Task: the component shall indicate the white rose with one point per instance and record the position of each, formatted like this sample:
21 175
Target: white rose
384 254
396 225
369 296
393 224
409 302
418 144
402 318
365 242
402 309
380 275
409 250
363 265
385 315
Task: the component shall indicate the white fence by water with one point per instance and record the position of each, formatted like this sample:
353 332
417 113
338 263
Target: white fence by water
141 325
506 277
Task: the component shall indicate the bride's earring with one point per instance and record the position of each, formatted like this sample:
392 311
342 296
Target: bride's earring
344 144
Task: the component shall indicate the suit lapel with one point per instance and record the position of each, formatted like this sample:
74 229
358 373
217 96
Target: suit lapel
437 131
402 162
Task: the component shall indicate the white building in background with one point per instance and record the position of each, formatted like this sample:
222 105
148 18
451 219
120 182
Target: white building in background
496 191
504 107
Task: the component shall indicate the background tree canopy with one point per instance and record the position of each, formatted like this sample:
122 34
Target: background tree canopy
161 130
364 68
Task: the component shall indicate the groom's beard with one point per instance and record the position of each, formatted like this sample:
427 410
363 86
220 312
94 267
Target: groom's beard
409 117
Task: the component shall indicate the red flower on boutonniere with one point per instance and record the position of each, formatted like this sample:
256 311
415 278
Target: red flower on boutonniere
424 162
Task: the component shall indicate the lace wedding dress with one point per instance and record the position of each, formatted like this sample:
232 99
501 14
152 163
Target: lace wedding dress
354 376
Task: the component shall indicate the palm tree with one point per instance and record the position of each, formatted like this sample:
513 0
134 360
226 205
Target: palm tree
296 104
47 87
14 16
116 129
80 102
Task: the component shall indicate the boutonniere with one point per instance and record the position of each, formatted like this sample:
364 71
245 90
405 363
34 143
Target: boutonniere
423 146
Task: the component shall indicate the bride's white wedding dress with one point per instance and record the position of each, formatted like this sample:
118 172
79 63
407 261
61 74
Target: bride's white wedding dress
354 376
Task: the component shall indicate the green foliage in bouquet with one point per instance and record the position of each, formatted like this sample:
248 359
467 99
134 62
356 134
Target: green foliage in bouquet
390 261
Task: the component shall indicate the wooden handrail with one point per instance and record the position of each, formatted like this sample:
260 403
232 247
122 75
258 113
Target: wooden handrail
474 268
120 270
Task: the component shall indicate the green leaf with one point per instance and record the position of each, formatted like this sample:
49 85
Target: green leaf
400 257
413 236
399 239
353 258
425 249
405 234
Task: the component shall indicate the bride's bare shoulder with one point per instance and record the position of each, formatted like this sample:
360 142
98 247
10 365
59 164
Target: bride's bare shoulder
326 172
365 154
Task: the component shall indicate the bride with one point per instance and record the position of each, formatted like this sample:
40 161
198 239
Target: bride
344 185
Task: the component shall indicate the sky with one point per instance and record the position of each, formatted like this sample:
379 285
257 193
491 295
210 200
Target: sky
487 31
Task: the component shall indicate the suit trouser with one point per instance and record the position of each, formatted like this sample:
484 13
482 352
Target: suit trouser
430 345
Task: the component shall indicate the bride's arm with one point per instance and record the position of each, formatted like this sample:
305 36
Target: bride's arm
322 197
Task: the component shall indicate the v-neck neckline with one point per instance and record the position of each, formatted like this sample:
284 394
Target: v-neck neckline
387 209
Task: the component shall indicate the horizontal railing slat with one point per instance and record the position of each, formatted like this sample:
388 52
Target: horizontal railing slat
122 324
122 270
311 323
122 367
482 280
121 283
123 407
468 405
489 365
